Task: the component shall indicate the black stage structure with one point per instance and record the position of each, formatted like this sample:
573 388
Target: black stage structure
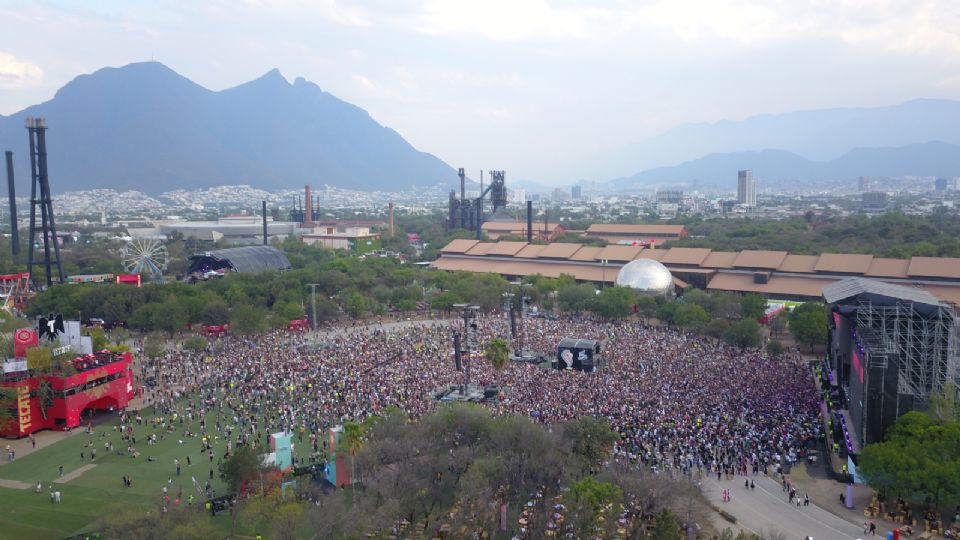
890 348
40 197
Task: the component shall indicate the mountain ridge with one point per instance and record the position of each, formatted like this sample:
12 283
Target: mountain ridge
815 134
144 126
782 167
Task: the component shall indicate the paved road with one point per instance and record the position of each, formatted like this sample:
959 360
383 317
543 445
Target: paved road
765 509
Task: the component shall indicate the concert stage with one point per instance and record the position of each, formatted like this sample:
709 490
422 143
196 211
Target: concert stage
104 382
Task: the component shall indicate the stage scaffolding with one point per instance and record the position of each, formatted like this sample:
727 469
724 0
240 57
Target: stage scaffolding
921 339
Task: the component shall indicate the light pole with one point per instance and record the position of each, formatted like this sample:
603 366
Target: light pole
471 341
603 282
313 304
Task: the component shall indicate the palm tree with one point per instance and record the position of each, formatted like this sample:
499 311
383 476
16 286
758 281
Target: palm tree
353 435
498 354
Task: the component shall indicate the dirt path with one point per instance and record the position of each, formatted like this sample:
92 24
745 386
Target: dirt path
74 473
14 484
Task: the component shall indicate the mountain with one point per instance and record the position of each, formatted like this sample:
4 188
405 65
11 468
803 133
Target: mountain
145 127
787 170
819 135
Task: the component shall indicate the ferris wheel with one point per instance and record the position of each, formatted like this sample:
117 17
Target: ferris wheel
145 255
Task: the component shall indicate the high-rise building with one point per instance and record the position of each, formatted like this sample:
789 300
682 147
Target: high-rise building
863 183
746 188
941 184
672 196
874 200
576 192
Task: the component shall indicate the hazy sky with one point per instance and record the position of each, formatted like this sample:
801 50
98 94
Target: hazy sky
529 86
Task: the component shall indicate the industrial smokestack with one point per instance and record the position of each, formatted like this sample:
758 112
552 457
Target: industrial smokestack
14 235
264 222
308 210
463 183
529 221
391 229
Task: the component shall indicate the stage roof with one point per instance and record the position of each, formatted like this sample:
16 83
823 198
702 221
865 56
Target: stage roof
245 259
873 289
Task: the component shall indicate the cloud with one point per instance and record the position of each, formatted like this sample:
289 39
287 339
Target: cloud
331 10
910 26
18 73
365 82
505 20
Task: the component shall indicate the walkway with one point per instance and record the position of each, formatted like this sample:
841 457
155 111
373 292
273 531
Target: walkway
765 510
74 473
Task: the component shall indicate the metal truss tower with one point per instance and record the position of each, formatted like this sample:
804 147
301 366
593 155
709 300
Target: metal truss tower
40 182
924 345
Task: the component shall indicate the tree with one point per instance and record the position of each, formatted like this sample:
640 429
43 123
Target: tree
590 441
587 500
356 304
39 359
44 397
918 459
195 343
753 306
691 316
779 323
646 307
353 436
241 468
8 405
215 313
775 347
574 298
498 354
716 328
614 302
743 333
667 312
668 527
154 346
945 404
98 339
248 320
808 324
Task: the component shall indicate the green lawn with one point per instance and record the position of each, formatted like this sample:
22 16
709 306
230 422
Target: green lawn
26 514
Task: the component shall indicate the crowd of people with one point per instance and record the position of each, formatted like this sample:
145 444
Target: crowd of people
678 401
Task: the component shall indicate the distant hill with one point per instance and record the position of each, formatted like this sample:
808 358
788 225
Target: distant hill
143 126
786 170
819 135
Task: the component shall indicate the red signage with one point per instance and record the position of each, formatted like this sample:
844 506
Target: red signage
298 324
24 339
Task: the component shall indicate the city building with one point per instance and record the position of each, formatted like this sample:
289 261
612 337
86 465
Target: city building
355 238
746 188
673 196
576 192
642 234
863 184
775 274
874 200
236 230
941 184
547 232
